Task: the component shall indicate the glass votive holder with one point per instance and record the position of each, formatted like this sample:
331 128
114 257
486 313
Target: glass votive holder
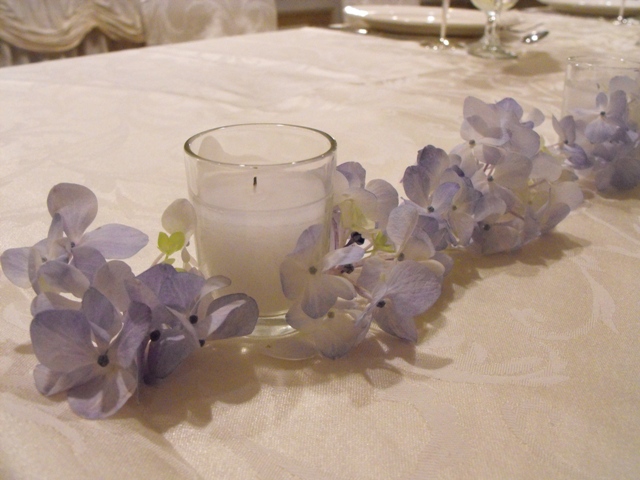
585 77
255 189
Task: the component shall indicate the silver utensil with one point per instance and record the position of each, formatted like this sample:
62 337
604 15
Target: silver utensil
534 36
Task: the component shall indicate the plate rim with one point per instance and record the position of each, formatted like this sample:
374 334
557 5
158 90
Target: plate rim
590 7
376 17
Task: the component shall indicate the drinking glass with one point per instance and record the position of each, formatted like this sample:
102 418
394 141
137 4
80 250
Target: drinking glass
621 19
586 76
255 189
489 46
442 43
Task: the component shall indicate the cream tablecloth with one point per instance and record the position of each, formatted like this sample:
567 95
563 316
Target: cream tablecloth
527 367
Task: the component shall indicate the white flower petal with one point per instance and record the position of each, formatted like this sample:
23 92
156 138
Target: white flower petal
180 216
342 256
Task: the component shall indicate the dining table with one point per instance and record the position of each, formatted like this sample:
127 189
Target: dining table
526 367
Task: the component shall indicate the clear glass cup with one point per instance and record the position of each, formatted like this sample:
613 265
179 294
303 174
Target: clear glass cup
490 46
586 76
256 188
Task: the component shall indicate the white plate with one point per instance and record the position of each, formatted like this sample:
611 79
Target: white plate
609 8
416 20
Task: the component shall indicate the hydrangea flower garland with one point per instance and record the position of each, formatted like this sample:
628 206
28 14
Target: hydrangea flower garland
99 330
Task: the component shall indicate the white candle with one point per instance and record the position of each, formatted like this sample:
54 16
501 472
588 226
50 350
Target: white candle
256 188
246 230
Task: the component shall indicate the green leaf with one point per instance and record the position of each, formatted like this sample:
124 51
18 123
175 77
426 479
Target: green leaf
381 243
170 244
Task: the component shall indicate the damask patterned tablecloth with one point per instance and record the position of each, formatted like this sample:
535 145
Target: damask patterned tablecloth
528 366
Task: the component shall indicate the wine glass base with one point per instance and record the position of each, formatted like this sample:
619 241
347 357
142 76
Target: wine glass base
625 21
484 50
270 327
441 44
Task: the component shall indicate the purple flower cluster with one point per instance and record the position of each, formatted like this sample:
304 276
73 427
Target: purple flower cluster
496 192
602 143
98 330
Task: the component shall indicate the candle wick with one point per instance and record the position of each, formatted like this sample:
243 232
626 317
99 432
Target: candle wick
255 182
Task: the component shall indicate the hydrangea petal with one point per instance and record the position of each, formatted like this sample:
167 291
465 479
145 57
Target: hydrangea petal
104 395
49 382
322 292
180 216
15 265
334 336
309 239
402 222
599 130
354 173
60 277
387 197
342 256
387 318
62 340
102 316
623 83
501 238
567 192
168 352
415 287
416 185
76 204
626 171
524 140
88 260
293 276
513 174
418 250
371 272
174 289
110 281
52 301
462 225
233 315
135 328
214 283
618 105
180 290
489 205
116 241
443 195
553 215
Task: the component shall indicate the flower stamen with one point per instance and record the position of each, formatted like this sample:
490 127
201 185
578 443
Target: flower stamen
103 360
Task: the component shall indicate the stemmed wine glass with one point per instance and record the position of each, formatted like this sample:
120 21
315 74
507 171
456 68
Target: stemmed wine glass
442 43
489 46
621 19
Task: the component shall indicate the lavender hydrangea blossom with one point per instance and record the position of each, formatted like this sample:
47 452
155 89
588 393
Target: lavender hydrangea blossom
98 329
91 353
68 258
496 192
602 143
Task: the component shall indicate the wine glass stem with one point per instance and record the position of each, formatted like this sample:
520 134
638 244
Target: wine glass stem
490 34
443 21
620 18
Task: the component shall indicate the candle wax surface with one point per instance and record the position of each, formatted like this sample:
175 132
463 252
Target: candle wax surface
246 230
